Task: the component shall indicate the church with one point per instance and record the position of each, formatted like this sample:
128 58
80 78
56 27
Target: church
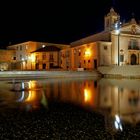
117 45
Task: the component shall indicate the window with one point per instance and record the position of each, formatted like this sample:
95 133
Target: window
20 47
20 57
84 61
14 58
26 47
44 66
44 56
133 44
51 57
121 58
105 47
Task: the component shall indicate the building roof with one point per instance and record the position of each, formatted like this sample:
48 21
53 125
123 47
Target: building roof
101 36
48 49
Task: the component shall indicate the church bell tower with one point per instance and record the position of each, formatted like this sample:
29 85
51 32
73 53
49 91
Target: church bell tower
110 19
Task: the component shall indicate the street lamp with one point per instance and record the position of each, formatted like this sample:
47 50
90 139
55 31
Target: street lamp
118 48
117 28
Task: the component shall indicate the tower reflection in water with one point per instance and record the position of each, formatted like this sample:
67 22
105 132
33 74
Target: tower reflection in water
117 100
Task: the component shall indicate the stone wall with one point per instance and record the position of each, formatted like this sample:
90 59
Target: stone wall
120 71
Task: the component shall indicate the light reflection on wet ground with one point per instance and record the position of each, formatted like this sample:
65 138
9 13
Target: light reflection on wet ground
109 107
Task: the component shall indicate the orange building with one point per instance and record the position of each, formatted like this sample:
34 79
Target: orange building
7 59
27 53
45 58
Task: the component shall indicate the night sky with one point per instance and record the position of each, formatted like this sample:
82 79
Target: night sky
58 21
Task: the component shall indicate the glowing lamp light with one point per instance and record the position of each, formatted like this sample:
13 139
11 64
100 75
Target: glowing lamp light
117 31
43 46
22 59
87 52
116 25
32 58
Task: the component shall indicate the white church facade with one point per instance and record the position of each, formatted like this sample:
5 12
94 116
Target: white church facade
125 40
118 44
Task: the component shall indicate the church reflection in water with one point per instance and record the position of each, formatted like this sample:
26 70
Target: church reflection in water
118 100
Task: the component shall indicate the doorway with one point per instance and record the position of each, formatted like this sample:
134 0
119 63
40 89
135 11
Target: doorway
44 66
95 63
133 59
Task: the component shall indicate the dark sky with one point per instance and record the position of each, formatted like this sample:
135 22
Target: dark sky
58 21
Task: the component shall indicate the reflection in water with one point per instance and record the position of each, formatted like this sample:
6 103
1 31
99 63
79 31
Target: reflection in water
87 95
117 123
123 99
118 100
30 94
21 98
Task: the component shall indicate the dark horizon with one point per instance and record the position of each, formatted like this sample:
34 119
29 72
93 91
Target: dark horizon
59 22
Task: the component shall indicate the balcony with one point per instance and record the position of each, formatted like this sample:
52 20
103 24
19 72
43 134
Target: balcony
133 47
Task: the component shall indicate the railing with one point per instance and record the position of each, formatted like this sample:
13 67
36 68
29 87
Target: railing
133 47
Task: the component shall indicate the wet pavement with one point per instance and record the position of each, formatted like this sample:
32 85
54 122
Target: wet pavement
59 121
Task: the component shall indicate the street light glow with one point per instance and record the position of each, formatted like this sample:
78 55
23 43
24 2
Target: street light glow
33 58
87 52
117 31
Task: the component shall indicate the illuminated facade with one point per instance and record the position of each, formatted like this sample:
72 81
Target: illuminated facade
45 58
118 44
7 59
126 44
28 55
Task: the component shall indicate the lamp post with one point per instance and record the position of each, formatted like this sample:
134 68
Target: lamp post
117 28
118 49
